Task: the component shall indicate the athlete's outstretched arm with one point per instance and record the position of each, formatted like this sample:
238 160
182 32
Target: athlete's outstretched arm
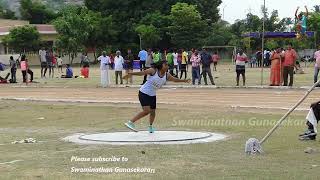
307 12
140 73
296 13
173 79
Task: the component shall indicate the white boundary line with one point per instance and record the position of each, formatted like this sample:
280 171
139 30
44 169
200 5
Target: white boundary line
272 108
180 86
79 101
75 138
10 162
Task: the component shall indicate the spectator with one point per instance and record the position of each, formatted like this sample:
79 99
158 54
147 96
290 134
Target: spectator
170 62
259 58
241 60
59 62
253 61
290 57
298 68
195 63
104 69
184 62
175 62
275 72
118 66
49 63
317 65
129 65
157 56
143 55
215 59
149 63
86 60
13 70
206 61
43 62
111 60
69 72
3 80
266 56
85 71
25 69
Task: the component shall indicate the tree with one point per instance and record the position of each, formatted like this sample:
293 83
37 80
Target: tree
74 29
220 34
6 13
23 39
36 12
207 8
187 29
314 24
101 33
160 22
149 35
136 12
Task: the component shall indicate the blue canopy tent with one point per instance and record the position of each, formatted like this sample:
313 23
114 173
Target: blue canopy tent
277 34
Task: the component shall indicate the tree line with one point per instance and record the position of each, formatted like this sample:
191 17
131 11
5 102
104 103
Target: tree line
110 25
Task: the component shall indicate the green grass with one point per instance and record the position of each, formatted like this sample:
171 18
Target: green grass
225 74
50 158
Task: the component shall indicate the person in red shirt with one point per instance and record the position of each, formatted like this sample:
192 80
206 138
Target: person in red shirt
85 71
215 59
289 62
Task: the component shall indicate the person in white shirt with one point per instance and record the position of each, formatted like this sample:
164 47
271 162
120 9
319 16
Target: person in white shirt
43 61
104 68
175 62
118 66
59 62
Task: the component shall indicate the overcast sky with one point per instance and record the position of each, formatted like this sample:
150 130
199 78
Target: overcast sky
237 9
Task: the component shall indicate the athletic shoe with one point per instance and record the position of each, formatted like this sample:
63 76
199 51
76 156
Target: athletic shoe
131 126
151 129
307 138
308 133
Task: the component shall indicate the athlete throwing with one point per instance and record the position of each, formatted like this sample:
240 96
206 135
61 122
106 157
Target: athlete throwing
157 77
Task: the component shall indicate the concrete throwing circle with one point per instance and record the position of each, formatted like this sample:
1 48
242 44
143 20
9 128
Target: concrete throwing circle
144 138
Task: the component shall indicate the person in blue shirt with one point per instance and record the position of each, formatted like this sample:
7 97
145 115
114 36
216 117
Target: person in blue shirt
143 55
69 72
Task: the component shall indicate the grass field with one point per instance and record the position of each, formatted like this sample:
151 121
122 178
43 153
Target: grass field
211 110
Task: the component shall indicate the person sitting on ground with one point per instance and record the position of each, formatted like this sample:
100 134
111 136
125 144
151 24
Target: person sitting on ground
69 72
5 79
313 118
298 68
85 71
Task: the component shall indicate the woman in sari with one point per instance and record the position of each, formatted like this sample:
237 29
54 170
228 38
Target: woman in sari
275 76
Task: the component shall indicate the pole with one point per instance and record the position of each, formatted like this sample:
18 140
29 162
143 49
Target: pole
315 40
140 42
223 11
262 51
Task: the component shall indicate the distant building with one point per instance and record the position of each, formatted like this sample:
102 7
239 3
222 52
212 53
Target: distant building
48 34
